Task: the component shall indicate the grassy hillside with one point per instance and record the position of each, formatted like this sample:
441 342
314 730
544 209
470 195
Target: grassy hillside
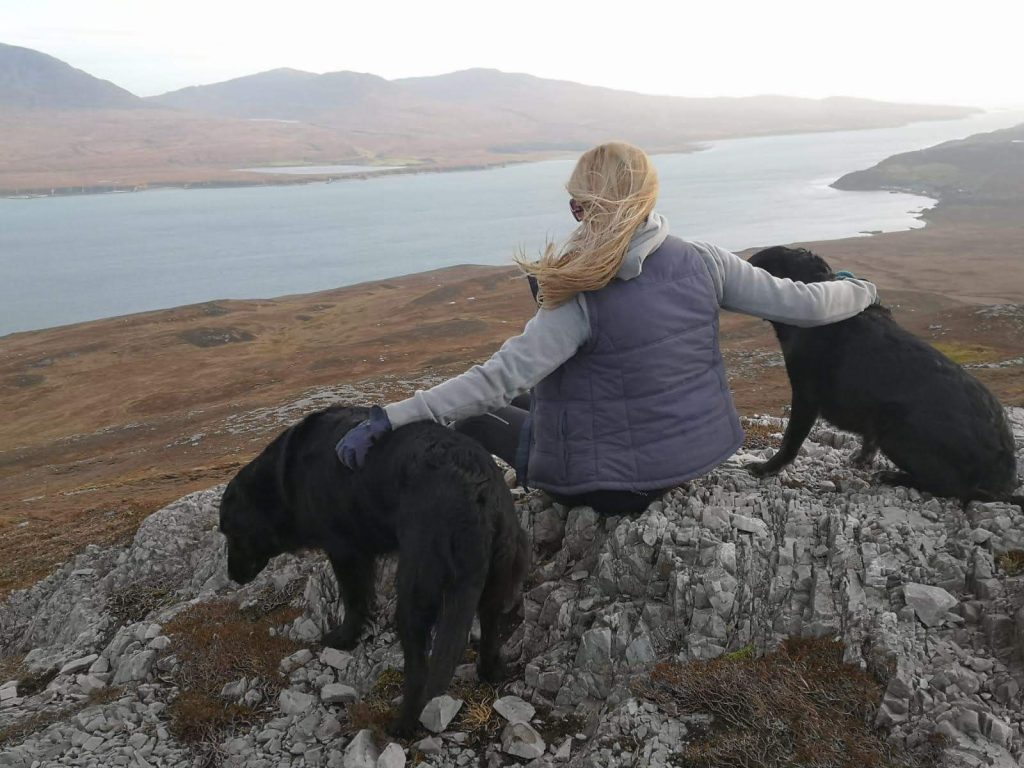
985 168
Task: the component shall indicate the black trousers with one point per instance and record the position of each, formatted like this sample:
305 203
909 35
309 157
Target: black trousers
503 433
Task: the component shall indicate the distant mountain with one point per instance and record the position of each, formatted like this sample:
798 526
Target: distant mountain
32 80
486 110
60 127
986 167
278 94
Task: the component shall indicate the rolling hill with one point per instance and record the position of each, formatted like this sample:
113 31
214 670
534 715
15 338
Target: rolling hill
62 129
277 94
509 113
984 168
32 80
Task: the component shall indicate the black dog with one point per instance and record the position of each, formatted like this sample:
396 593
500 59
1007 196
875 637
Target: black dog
432 494
938 424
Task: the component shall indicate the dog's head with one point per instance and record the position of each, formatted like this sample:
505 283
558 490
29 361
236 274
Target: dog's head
797 264
253 517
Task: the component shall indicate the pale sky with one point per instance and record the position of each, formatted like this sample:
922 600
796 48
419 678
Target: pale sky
940 51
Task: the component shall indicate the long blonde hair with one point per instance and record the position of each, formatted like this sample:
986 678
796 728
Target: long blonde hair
616 186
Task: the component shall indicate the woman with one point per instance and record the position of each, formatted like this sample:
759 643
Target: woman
630 396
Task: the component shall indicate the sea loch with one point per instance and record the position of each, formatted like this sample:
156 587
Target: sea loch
69 259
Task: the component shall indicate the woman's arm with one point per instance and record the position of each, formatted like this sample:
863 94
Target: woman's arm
745 288
550 338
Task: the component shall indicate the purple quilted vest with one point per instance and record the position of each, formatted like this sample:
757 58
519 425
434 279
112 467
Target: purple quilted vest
644 404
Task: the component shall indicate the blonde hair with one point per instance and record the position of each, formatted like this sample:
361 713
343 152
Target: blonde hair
617 186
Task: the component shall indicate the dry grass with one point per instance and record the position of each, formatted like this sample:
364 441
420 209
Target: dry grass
137 601
32 683
215 644
18 731
758 436
798 706
1011 562
107 695
29 683
33 551
374 711
966 353
271 602
476 718
11 668
555 729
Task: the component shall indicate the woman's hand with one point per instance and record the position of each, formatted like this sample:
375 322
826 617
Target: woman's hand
357 442
845 274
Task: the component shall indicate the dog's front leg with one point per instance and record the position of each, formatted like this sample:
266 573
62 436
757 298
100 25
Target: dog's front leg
865 457
355 575
804 414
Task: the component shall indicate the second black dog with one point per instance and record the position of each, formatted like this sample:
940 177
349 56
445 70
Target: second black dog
430 493
945 431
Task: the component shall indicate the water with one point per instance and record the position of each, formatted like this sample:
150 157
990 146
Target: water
319 170
68 259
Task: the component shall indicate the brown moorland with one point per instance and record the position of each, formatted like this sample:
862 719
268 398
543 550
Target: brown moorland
108 421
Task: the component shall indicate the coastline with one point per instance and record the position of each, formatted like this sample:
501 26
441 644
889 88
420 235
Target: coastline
111 419
453 165
258 180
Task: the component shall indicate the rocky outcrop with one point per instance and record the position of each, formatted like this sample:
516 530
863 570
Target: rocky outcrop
917 588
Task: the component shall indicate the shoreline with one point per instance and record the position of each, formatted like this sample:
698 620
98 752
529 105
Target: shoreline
265 180
924 216
693 145
456 269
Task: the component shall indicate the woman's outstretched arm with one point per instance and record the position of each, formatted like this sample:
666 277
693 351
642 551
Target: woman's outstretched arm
550 338
745 288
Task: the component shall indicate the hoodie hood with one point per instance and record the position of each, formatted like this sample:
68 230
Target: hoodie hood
647 239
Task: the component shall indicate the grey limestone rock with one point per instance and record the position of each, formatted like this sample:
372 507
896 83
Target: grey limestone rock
361 752
439 712
725 563
931 604
338 693
430 745
521 740
393 756
514 709
295 702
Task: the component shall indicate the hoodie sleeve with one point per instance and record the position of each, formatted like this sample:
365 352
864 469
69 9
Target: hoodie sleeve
550 338
745 288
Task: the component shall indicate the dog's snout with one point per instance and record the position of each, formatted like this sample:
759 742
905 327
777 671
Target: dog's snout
242 570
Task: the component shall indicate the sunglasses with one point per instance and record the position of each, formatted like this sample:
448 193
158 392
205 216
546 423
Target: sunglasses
577 209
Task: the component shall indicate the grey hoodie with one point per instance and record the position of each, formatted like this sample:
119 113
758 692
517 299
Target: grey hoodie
552 336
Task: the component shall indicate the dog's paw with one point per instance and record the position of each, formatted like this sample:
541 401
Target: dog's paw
863 459
401 728
493 671
759 469
344 638
891 477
